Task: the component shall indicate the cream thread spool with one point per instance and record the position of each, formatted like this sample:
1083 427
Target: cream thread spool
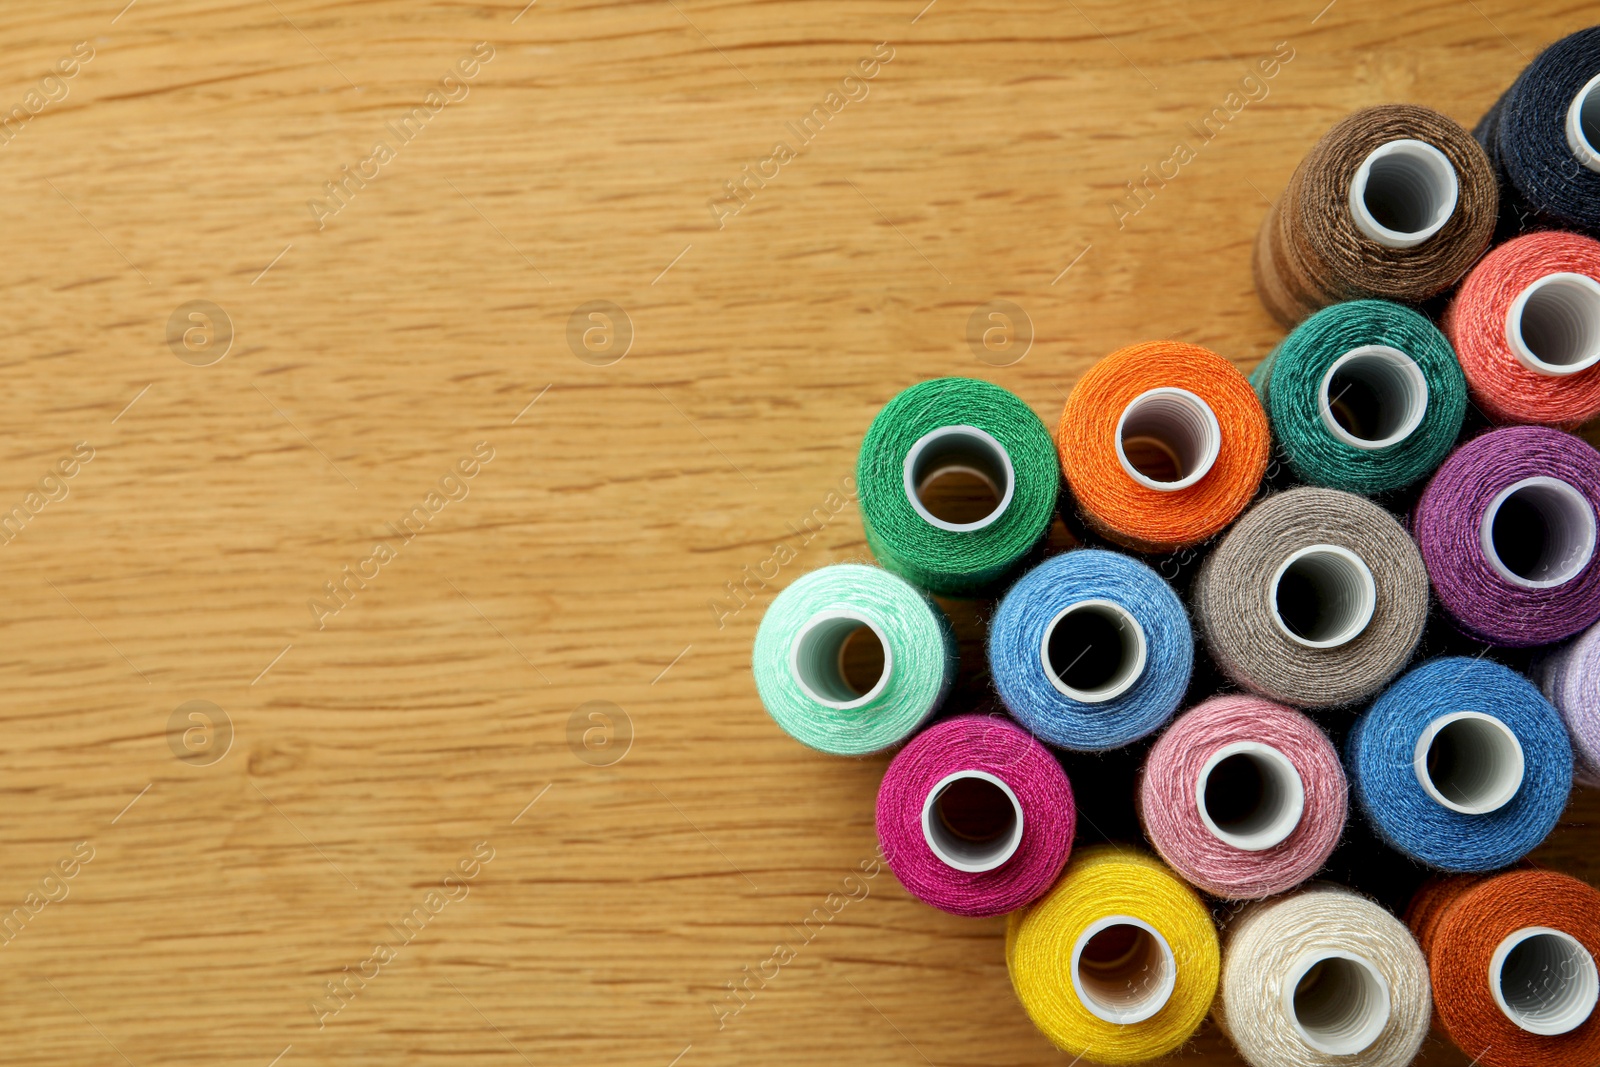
1544 980
1469 762
1395 384
1067 628
1553 325
1545 525
1403 193
1177 422
962 853
1583 124
1327 593
1123 970
965 450
1271 814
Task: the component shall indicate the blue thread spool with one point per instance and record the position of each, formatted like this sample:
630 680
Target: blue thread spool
1091 650
1461 764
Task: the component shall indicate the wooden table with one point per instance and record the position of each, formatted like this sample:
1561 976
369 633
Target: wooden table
355 757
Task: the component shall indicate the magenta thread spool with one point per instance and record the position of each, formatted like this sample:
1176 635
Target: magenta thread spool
1507 530
975 817
1243 797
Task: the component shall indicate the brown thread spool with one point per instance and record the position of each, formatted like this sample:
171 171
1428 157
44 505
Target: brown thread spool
1395 202
1512 959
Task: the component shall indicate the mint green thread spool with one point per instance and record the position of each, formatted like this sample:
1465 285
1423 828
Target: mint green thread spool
1364 396
974 428
798 660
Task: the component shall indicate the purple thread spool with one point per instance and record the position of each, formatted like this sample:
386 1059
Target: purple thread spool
1507 530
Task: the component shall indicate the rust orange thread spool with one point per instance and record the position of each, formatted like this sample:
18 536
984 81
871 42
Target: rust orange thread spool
1163 444
1512 960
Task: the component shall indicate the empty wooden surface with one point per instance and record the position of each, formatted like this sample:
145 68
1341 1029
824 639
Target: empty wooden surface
376 749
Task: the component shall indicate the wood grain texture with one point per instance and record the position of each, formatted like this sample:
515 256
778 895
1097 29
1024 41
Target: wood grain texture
374 749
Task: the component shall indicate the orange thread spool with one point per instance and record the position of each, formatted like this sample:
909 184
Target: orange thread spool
1531 1003
1163 444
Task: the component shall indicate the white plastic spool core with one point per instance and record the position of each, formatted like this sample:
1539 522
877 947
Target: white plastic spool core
1122 969
964 450
1338 1002
1583 124
1403 193
1323 596
1469 762
1538 533
1249 795
1097 643
1544 980
1381 390
1176 422
816 659
1553 326
965 851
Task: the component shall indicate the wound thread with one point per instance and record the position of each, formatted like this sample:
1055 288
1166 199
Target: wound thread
1162 444
1314 249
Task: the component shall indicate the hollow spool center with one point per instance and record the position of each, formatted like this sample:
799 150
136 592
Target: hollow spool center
1583 124
818 659
1323 596
1249 795
1403 193
1123 970
1093 651
953 454
1168 439
1544 980
1373 397
1538 533
1469 762
972 821
1553 326
1338 1002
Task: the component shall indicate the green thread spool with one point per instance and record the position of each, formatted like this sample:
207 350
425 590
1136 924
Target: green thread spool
1364 396
800 651
969 428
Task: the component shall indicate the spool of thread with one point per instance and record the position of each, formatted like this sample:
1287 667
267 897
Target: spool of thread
1163 444
1512 959
799 659
1118 963
1507 529
975 817
1526 326
1570 679
965 428
1322 977
1364 396
1543 136
1394 202
1315 598
1090 650
1461 764
1242 797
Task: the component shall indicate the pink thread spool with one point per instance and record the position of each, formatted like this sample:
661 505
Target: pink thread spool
975 817
1243 797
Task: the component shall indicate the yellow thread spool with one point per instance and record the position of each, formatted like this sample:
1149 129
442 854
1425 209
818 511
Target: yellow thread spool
1119 962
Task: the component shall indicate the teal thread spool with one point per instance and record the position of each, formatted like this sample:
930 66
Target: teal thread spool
956 425
800 651
1364 396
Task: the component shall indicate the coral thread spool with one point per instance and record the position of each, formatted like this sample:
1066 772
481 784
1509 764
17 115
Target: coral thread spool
1162 444
1526 327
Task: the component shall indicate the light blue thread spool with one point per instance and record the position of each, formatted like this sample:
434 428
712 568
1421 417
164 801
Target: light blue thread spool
1091 650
